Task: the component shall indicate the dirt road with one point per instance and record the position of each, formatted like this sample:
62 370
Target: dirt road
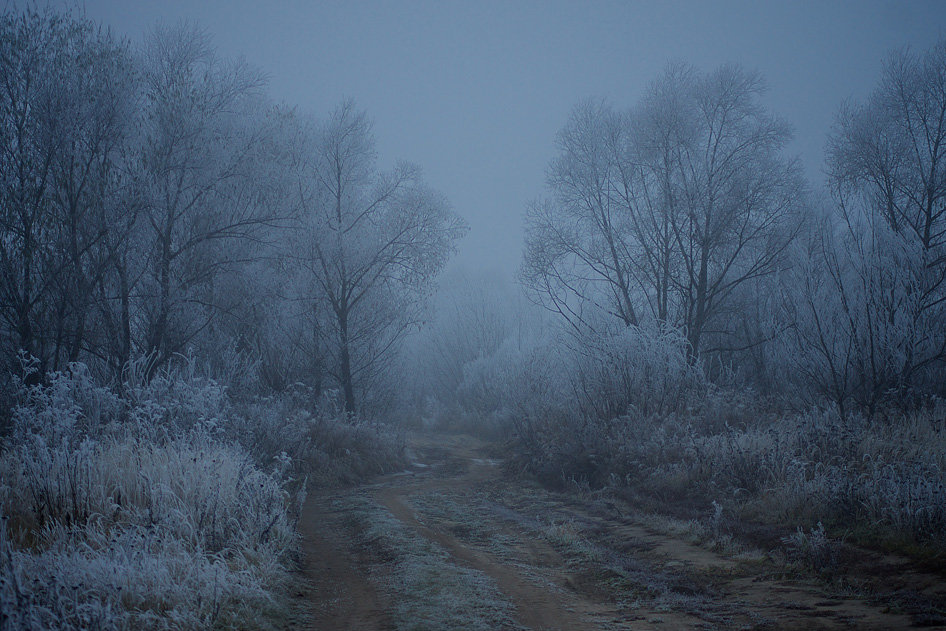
456 543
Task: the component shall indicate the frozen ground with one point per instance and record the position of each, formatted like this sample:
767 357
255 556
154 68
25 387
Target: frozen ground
459 542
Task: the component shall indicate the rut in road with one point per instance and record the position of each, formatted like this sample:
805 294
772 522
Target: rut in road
456 533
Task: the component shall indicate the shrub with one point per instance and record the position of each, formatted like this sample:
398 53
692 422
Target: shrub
519 388
639 371
882 477
137 513
814 549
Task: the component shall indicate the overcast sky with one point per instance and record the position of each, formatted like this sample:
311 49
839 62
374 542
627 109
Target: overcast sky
475 91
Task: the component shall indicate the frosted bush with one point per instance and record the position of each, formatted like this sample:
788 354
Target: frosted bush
522 386
347 450
574 402
640 370
138 513
133 578
173 403
814 549
69 404
487 387
818 466
315 446
206 504
886 477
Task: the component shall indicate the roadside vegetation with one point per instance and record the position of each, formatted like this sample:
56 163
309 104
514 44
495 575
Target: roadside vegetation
724 457
171 506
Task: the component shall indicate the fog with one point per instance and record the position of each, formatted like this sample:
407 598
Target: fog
472 315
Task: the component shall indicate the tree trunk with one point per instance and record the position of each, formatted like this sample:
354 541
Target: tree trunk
158 342
348 387
695 332
125 348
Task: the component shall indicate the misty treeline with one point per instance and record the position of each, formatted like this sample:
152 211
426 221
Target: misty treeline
679 240
157 204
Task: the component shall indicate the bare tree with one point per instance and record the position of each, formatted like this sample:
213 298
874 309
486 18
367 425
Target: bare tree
666 211
204 158
741 201
65 110
90 180
578 248
371 245
884 262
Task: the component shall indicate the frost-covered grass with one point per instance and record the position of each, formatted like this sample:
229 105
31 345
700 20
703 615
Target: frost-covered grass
877 481
137 513
891 478
167 507
95 577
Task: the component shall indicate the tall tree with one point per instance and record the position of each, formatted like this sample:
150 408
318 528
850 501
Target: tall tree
666 211
742 201
883 262
371 244
579 251
65 111
203 163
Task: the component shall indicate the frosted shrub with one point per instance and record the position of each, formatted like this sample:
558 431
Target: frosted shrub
520 386
207 493
890 478
133 578
907 499
814 549
315 446
644 370
348 450
271 426
173 403
574 403
487 388
70 404
884 477
138 514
